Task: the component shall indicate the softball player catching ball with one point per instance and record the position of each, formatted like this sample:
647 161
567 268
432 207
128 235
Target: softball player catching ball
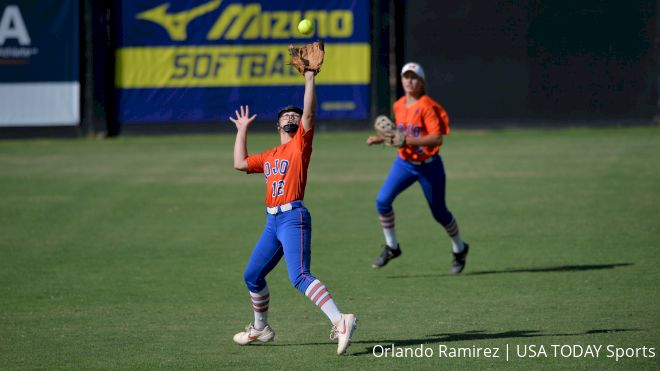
288 228
420 124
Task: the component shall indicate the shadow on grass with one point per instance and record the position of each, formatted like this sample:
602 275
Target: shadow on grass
562 268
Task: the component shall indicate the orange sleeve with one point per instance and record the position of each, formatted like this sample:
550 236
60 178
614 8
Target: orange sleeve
255 163
436 120
306 138
431 120
443 120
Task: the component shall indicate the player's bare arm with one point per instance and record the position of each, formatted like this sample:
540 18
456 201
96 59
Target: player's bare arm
375 139
242 122
431 140
309 103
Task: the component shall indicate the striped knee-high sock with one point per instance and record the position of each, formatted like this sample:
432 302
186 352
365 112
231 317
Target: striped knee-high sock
319 295
260 302
387 223
457 245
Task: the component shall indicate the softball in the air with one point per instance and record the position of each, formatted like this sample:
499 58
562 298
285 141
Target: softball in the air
306 27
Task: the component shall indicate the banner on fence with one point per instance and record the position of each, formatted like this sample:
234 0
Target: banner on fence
39 78
189 60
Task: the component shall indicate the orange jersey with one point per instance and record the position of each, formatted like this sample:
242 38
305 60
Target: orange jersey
424 117
285 168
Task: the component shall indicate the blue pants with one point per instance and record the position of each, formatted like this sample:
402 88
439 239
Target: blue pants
287 234
431 177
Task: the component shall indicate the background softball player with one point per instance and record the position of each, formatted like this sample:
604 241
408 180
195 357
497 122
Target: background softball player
288 228
420 124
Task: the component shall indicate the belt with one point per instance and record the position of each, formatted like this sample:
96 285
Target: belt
284 208
428 160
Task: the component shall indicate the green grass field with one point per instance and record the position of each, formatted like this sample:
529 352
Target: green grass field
129 254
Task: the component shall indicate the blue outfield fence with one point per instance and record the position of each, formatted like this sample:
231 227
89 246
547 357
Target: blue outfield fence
196 61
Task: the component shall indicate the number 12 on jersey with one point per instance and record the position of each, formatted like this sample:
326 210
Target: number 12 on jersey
278 188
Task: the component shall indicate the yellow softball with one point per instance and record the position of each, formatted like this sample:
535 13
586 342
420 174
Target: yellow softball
306 27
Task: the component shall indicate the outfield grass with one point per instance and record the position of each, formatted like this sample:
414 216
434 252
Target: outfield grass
129 253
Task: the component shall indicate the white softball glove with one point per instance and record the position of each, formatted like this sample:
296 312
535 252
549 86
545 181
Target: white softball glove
387 129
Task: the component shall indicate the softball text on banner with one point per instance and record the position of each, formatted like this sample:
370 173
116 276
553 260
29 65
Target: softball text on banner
191 60
39 83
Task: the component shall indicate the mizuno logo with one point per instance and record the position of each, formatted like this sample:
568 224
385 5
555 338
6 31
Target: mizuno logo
176 23
249 21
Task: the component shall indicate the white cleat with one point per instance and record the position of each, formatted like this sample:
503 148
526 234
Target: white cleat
251 335
343 330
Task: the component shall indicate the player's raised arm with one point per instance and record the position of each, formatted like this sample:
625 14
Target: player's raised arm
309 106
242 122
308 60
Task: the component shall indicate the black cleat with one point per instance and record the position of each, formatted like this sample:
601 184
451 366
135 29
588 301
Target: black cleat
458 264
387 255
